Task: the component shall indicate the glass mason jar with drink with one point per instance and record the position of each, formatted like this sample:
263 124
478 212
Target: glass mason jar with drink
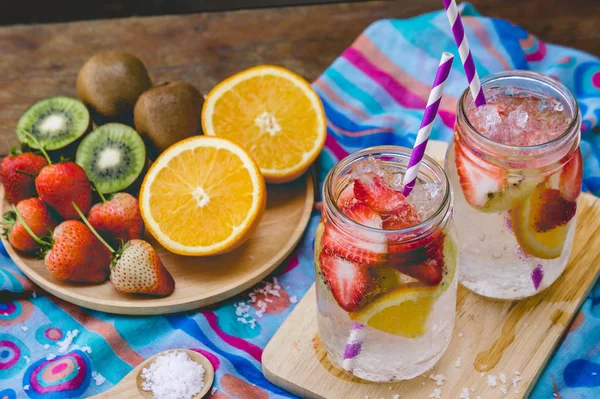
385 264
516 169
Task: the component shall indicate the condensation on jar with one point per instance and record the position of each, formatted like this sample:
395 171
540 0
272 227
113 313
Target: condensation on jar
515 203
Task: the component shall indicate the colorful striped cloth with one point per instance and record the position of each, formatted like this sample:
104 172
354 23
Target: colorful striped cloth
374 93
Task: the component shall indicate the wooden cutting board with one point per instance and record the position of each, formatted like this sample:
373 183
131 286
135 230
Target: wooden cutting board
490 337
199 281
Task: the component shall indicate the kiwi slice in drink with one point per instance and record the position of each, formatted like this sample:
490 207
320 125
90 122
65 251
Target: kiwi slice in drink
113 157
54 123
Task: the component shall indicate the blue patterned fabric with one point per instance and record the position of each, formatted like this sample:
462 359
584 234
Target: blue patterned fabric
374 93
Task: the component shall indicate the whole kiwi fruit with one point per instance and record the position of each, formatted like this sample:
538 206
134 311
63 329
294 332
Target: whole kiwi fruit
168 113
110 83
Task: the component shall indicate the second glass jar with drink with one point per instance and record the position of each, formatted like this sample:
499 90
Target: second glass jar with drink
386 266
516 169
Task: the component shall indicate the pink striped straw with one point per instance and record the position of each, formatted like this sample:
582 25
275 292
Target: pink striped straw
433 103
464 51
355 339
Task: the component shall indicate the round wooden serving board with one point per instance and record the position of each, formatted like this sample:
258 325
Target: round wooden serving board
199 281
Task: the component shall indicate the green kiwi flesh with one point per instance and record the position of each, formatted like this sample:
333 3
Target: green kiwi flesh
113 157
55 123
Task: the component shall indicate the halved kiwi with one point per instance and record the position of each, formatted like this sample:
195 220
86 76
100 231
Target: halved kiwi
113 157
55 123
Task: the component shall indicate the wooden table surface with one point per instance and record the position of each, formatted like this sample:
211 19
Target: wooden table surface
38 61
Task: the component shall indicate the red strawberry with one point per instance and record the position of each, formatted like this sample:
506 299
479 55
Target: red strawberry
36 216
61 184
18 172
118 219
570 177
552 210
479 179
138 269
77 255
347 281
356 244
346 197
372 190
429 272
403 217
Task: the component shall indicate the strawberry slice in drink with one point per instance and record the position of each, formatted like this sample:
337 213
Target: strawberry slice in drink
570 177
372 190
354 243
347 281
430 269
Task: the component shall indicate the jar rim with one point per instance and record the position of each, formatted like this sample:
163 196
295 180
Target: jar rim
442 212
557 86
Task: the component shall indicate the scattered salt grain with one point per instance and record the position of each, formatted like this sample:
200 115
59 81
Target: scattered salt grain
396 396
457 362
491 381
293 299
594 373
27 359
173 375
86 349
63 346
472 389
465 394
460 335
26 387
436 394
98 378
51 356
502 377
438 378
516 379
504 390
251 257
46 346
5 313
212 391
423 383
24 328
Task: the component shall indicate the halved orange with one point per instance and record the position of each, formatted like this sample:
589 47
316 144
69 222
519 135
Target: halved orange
544 243
203 196
272 113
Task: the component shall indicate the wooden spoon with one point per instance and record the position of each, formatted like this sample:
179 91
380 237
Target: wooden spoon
131 385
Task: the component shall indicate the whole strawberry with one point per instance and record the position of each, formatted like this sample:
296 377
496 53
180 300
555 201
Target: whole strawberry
61 184
77 255
136 268
18 172
36 216
118 220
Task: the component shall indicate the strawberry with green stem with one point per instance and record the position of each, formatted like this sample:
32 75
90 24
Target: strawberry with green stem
18 172
72 253
136 267
38 219
117 219
61 184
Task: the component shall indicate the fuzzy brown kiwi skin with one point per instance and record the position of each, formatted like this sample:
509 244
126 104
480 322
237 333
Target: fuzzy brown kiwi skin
109 84
168 113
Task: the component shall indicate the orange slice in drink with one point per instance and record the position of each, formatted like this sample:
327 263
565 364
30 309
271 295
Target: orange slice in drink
203 196
272 113
404 311
541 223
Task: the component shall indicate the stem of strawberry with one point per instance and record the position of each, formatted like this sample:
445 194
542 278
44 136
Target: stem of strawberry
102 197
87 223
28 229
40 146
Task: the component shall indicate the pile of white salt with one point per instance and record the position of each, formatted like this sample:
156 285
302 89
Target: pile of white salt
173 375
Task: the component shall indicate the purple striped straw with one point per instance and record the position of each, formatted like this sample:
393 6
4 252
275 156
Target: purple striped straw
355 339
433 103
464 51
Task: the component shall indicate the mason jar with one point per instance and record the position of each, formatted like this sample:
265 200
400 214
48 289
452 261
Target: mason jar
516 203
386 279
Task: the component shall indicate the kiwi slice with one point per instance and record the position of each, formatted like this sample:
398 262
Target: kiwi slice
55 123
113 157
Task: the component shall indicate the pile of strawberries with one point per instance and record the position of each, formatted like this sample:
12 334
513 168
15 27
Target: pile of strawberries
351 253
49 217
